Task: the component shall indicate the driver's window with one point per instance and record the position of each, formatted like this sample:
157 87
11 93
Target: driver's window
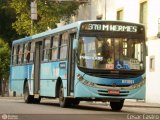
107 51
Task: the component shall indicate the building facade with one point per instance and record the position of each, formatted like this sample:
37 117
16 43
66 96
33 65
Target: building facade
139 11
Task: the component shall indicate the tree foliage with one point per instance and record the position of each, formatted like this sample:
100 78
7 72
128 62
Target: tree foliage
7 17
4 59
49 13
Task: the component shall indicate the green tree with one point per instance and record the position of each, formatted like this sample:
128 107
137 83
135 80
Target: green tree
4 60
7 17
49 13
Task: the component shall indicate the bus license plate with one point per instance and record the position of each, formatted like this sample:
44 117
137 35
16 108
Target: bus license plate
114 92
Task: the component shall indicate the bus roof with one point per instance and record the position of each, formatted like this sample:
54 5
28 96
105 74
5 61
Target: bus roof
47 33
62 28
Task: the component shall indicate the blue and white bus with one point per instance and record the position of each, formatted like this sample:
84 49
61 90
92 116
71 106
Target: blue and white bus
81 61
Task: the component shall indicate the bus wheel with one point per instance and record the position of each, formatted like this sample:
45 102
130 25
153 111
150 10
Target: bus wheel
37 100
64 102
117 106
27 98
75 102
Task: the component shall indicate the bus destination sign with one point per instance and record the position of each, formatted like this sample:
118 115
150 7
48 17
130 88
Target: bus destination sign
109 27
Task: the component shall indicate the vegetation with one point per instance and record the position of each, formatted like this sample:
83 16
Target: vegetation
7 17
4 60
49 13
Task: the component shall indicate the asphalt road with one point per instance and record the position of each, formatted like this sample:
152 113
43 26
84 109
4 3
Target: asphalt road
49 109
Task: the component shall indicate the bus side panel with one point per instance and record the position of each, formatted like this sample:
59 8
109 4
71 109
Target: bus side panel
47 80
18 75
30 77
49 74
63 66
17 78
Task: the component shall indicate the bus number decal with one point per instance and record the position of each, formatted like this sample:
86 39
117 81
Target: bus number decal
62 65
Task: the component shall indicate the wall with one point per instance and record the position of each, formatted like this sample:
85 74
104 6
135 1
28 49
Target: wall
153 43
153 81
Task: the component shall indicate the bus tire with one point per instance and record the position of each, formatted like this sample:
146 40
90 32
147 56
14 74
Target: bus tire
37 100
27 98
63 102
117 106
75 102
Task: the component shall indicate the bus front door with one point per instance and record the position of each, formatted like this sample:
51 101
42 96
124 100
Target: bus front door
71 65
37 61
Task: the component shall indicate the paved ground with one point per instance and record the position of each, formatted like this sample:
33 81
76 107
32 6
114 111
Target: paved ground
131 104
15 108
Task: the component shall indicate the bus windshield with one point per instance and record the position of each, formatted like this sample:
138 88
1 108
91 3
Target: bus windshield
111 53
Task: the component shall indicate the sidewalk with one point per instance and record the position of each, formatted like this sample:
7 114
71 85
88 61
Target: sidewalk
11 98
141 104
133 103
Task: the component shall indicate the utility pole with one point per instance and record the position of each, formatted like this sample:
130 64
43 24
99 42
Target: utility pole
33 14
105 9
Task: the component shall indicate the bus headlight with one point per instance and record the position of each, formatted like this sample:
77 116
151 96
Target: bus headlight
85 82
138 85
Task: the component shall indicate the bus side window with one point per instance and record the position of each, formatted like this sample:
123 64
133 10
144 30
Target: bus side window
26 53
14 58
17 54
32 49
55 40
20 54
46 49
63 46
12 55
